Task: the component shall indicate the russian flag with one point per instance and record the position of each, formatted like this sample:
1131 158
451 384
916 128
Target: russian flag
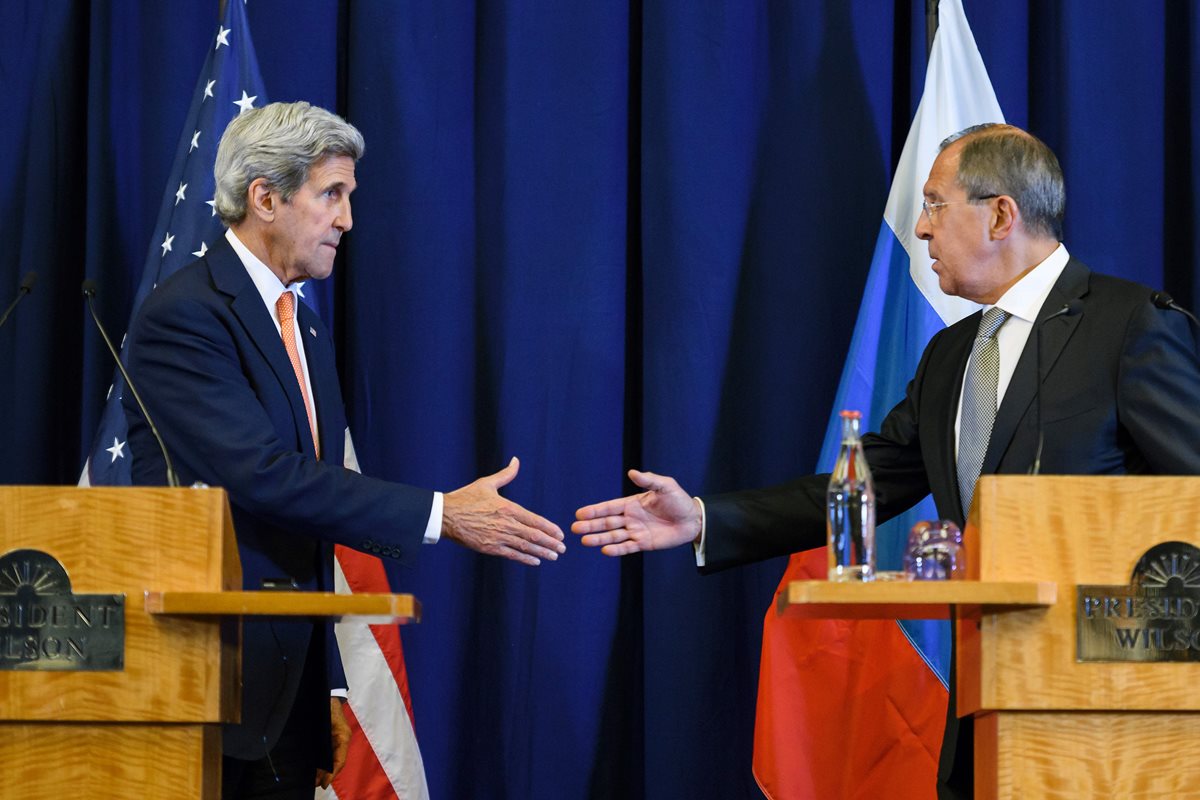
857 709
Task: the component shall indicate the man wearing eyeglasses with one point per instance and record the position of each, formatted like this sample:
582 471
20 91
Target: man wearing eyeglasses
1119 383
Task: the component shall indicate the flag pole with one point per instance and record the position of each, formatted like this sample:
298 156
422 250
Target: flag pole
931 25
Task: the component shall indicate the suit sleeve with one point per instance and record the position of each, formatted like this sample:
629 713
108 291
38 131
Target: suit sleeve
216 424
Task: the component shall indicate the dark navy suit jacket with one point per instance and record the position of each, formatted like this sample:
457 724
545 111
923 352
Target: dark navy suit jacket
212 369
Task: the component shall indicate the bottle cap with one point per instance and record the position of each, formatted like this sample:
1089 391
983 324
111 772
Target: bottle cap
848 414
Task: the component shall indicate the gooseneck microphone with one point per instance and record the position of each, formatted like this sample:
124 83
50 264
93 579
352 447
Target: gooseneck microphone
1167 303
1067 310
89 291
26 287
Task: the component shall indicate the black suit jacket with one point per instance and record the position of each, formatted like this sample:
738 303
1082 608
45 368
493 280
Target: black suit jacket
1120 395
214 373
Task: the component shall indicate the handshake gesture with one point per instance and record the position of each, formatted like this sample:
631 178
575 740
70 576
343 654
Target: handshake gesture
663 516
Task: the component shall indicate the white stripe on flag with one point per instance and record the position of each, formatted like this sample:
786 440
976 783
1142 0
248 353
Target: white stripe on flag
958 94
374 695
375 699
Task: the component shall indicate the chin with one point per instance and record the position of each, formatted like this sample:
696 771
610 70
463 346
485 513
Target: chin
320 272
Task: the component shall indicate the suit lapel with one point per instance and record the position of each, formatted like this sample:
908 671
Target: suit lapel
231 278
1023 388
322 373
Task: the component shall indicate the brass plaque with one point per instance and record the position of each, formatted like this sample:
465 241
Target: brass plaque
1154 618
43 626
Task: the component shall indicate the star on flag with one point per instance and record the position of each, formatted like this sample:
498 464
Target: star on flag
117 449
195 141
222 37
179 193
200 253
246 103
166 245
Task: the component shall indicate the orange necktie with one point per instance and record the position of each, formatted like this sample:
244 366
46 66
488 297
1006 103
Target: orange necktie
286 307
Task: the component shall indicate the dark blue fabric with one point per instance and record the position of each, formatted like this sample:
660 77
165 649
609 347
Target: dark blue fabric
593 235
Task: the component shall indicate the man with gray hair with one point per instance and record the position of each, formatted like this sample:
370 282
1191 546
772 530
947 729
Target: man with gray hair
240 379
1119 381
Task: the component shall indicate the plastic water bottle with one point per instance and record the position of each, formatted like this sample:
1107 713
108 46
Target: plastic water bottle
850 509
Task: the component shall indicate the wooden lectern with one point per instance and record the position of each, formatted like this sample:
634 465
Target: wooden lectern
152 728
1046 724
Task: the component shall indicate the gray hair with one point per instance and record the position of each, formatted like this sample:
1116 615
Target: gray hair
1001 159
280 143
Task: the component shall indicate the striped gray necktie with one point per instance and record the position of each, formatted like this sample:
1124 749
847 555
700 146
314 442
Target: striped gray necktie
978 404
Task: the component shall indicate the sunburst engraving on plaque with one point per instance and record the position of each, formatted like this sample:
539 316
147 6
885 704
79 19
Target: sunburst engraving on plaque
1164 563
34 569
44 626
1155 618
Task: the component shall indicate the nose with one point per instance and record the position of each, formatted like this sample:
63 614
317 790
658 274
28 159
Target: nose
923 230
344 220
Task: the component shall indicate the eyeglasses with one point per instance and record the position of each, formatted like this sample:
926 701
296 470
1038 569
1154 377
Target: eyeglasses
929 208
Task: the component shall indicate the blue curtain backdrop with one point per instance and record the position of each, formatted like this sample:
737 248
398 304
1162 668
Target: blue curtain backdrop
593 235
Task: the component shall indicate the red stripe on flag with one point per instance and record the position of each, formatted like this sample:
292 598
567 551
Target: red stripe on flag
845 708
365 573
363 777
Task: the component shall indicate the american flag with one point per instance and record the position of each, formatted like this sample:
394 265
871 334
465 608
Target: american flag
229 84
384 761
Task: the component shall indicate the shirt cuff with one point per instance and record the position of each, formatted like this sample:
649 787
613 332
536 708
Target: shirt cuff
699 546
433 529
342 693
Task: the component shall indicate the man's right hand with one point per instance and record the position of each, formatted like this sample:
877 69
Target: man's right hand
476 516
662 517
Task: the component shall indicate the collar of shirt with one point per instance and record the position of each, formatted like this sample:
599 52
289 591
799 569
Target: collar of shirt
268 284
269 288
1023 300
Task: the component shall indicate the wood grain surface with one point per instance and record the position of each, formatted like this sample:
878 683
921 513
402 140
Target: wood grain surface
1068 530
126 541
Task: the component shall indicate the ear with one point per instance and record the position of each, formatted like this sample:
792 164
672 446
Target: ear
1005 216
262 200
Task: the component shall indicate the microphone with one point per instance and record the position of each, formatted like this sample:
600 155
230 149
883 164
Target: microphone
1068 309
89 291
26 287
1167 303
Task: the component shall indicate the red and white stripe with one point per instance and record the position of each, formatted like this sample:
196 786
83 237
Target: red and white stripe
384 762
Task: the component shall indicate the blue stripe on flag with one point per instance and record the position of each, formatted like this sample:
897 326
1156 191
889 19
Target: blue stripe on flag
894 324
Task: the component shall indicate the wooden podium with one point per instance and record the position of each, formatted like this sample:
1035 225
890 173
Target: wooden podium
150 729
1046 724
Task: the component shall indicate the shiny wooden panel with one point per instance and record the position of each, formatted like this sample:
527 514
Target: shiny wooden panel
127 541
1068 530
110 762
909 599
1070 755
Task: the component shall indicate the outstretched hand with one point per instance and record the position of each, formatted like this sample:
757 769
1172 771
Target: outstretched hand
476 516
664 516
